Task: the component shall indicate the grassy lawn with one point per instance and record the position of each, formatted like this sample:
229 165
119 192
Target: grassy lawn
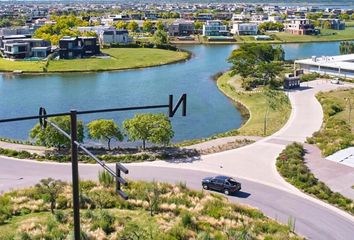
337 132
33 66
326 35
256 103
121 58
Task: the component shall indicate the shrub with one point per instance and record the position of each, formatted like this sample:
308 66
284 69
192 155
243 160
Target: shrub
309 77
105 178
5 209
291 166
105 221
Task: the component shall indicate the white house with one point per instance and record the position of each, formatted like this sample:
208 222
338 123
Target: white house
215 28
109 34
244 29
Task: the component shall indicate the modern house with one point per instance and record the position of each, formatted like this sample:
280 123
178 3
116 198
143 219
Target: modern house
108 34
300 27
215 28
335 24
21 47
340 66
181 28
203 17
244 29
78 47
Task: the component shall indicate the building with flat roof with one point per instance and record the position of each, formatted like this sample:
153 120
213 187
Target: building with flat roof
340 66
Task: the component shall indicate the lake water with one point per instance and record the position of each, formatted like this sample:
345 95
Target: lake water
209 111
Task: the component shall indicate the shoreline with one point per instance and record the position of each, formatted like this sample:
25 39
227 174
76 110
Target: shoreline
187 58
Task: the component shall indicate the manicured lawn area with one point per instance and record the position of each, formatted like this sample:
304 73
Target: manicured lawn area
27 66
121 58
336 132
326 35
256 103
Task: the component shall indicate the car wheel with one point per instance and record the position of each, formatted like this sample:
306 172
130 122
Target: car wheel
226 191
205 187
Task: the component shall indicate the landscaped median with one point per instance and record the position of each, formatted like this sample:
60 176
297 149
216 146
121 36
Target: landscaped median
120 59
337 130
256 105
292 167
153 211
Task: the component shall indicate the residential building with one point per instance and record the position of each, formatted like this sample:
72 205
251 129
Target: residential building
203 17
20 47
300 27
108 34
16 31
339 66
244 29
78 47
215 28
181 28
335 24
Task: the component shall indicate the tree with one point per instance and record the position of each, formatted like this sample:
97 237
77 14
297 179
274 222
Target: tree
147 26
152 196
121 25
346 47
198 25
249 60
269 71
104 130
51 137
160 37
50 189
326 25
160 26
155 128
133 26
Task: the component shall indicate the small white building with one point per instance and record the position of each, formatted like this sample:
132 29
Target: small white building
244 29
339 66
215 28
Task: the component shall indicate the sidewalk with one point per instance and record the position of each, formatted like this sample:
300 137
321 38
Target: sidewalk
338 177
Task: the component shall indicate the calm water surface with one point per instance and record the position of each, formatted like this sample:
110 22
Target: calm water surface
209 111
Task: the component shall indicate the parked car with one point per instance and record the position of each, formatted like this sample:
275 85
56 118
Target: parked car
223 184
335 81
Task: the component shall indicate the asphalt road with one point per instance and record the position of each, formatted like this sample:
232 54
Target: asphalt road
312 220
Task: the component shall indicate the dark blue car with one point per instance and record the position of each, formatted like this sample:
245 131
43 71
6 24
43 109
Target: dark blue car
223 184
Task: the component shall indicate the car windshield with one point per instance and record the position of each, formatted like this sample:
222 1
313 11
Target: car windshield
232 181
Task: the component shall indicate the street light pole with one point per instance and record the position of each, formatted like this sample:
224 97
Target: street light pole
75 174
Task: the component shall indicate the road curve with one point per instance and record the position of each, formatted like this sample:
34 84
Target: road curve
312 220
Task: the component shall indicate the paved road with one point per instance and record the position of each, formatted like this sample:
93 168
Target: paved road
312 220
255 162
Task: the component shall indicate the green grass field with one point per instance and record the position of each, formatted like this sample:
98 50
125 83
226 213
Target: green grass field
326 35
256 103
121 58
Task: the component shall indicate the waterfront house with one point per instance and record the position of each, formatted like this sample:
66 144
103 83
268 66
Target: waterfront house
244 29
108 34
335 24
78 47
21 47
215 28
203 17
181 27
301 26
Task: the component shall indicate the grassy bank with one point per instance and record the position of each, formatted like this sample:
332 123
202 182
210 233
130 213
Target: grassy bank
154 211
121 58
292 167
256 103
336 132
326 35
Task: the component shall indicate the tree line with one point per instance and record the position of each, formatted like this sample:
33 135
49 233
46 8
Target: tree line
146 127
